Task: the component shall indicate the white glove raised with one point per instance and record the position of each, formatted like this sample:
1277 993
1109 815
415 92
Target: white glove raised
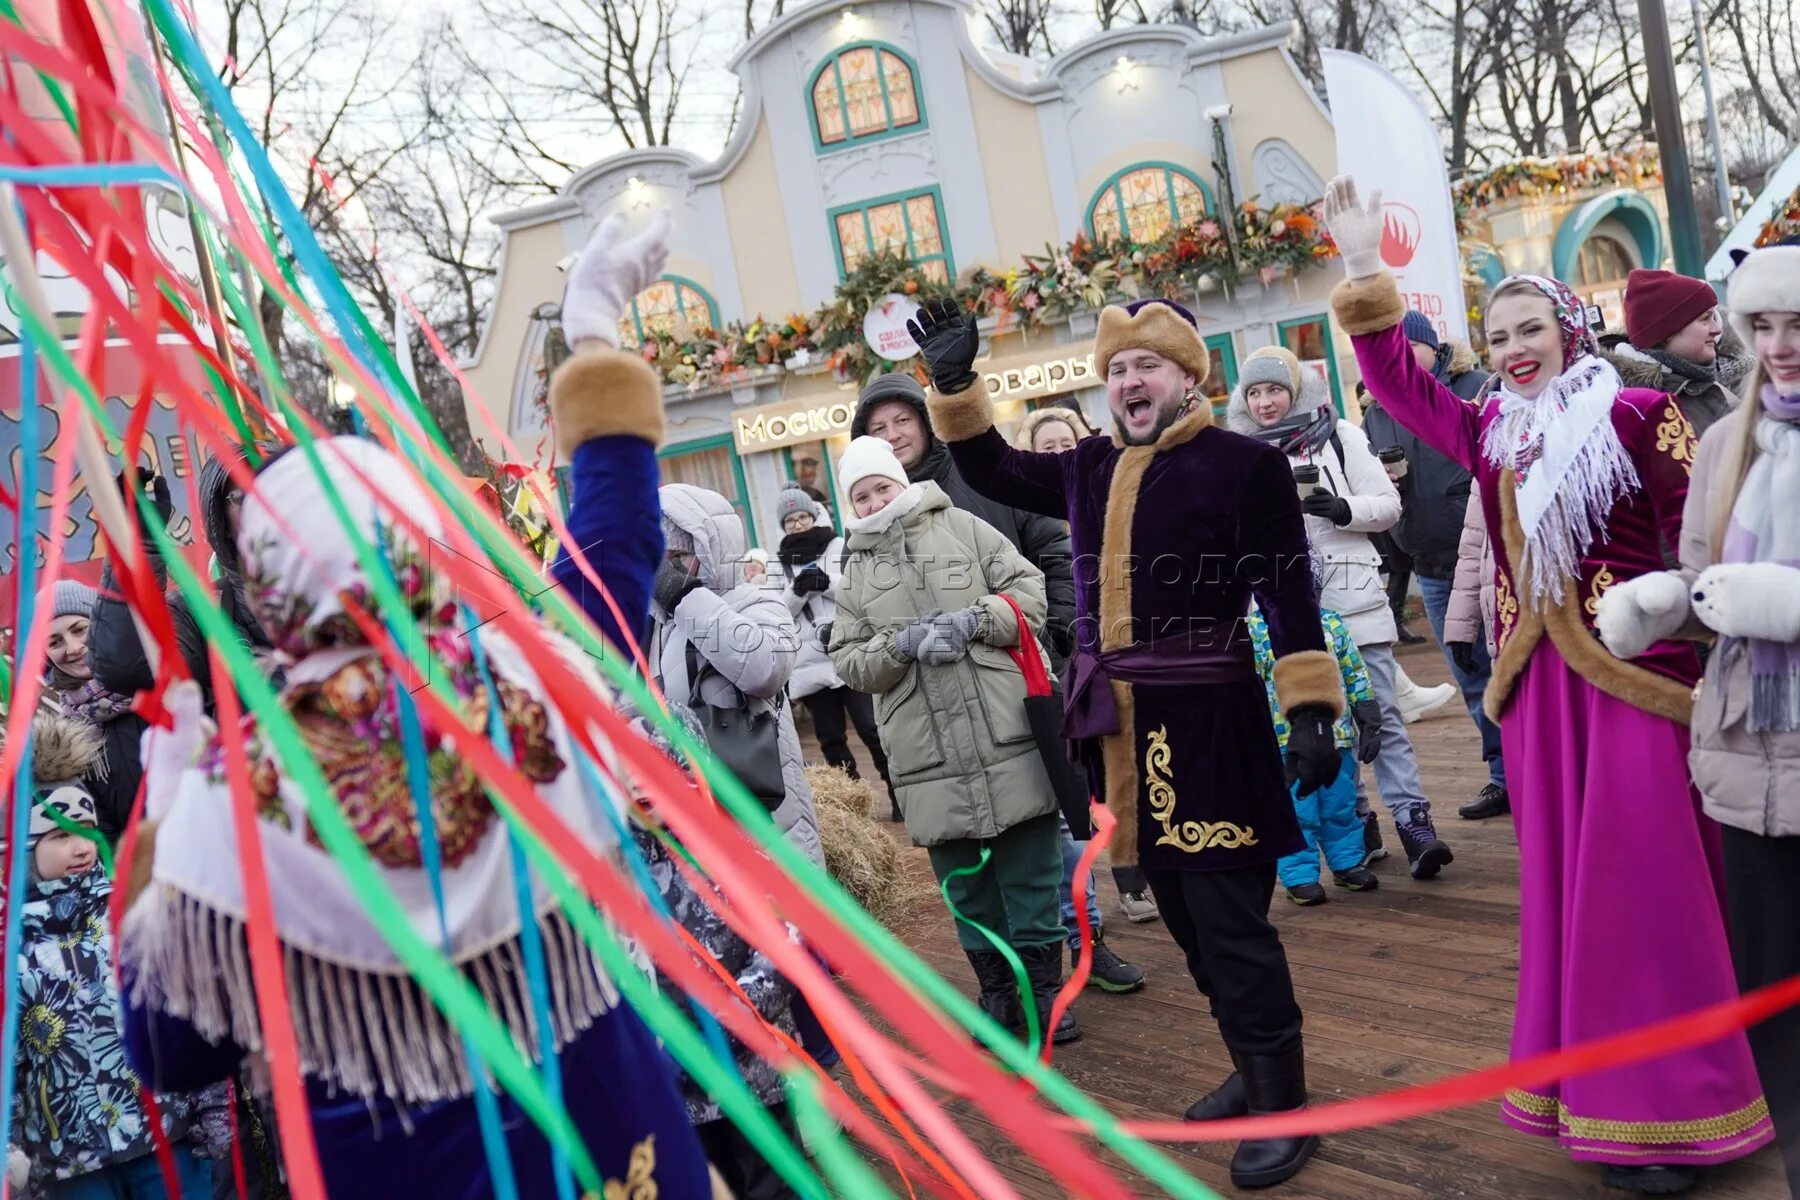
168 753
1354 226
610 271
1750 600
1636 614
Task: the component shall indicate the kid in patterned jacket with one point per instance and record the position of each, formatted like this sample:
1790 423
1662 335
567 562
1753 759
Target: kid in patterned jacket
1328 816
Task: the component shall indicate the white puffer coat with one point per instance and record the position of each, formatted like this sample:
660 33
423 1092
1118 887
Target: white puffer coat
742 631
1347 563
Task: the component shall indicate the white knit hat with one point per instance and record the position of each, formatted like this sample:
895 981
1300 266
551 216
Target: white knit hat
869 456
1767 280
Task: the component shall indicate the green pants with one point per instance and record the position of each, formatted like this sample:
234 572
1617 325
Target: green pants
1015 893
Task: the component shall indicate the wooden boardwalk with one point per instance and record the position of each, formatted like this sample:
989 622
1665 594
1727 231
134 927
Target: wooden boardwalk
1400 986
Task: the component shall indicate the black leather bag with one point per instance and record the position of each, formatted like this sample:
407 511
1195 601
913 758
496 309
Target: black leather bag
746 741
1044 712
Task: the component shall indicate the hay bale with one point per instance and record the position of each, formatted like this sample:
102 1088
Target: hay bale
862 856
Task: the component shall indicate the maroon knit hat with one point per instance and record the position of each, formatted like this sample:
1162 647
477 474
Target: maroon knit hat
1659 303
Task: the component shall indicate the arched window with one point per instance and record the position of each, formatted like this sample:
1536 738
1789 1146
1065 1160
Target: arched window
659 306
864 91
1603 259
1140 203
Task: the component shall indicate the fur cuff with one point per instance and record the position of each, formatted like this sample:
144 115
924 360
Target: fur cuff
1368 305
1309 677
964 415
602 393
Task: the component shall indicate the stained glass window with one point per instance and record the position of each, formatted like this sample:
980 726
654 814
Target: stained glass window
1141 204
862 92
911 225
659 307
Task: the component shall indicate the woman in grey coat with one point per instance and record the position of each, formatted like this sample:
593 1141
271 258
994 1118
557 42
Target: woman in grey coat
743 632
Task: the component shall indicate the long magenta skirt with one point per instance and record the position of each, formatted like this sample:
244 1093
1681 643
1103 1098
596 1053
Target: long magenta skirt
1621 924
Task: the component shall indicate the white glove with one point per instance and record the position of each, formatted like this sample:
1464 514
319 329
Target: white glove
18 1169
1750 600
1640 612
608 274
168 753
1354 226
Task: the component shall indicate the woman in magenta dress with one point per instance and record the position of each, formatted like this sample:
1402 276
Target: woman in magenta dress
1582 481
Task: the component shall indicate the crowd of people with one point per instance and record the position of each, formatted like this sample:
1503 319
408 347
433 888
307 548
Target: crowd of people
1605 535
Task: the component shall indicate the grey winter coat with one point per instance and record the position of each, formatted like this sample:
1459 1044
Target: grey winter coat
960 749
744 633
1747 780
1703 399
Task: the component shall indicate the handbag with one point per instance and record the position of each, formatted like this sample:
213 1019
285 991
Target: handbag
1044 713
746 741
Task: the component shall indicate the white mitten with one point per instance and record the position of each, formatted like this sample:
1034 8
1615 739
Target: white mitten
18 1169
608 274
167 753
1640 612
1354 226
1750 600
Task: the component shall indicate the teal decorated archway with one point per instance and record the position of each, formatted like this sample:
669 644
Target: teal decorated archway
1635 213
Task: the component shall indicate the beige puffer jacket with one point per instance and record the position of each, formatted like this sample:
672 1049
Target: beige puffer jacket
1747 780
1470 614
960 749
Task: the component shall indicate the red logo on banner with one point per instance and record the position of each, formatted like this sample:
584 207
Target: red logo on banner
1399 233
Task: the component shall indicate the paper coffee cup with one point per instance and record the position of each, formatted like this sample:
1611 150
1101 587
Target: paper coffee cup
1393 458
1306 478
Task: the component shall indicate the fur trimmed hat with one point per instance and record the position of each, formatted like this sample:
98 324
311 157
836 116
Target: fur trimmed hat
1162 326
1037 418
1767 280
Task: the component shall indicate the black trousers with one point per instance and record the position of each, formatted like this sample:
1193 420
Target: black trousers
829 708
1762 896
1220 919
745 1171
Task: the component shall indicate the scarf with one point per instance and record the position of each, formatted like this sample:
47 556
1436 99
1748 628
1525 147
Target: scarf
1570 466
1765 527
363 1024
799 549
1300 433
898 507
63 683
935 466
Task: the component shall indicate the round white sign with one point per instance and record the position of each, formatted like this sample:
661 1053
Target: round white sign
884 327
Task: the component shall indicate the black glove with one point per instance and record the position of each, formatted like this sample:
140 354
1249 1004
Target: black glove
673 582
158 489
1322 503
1312 756
812 578
1367 715
1463 655
824 633
949 341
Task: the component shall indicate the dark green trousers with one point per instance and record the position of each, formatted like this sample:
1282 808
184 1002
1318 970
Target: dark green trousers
1014 893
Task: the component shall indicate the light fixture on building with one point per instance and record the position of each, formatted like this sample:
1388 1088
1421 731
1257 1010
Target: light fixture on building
637 193
556 346
848 17
342 393
1126 70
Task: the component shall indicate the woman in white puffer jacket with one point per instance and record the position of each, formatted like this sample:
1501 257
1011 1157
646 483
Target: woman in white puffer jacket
1276 402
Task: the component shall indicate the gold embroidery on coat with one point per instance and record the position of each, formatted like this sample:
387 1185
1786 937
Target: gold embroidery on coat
1675 436
1189 836
638 1184
1603 579
1506 606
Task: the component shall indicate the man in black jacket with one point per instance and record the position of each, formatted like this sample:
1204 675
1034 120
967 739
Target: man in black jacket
892 408
1434 493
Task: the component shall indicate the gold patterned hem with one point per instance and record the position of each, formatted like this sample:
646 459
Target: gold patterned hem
1640 1133
1189 836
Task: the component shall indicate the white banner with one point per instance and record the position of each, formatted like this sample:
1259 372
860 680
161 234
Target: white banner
1388 141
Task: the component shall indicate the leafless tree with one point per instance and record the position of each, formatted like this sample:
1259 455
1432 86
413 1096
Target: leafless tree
1113 12
1022 26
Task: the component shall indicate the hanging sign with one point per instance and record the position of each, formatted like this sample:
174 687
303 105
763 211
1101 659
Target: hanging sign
884 327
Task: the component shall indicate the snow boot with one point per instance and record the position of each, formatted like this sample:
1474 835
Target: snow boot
1273 1083
1043 967
1426 853
1373 850
1357 879
1307 894
1226 1100
999 987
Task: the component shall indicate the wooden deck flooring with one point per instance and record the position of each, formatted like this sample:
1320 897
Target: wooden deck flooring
1400 986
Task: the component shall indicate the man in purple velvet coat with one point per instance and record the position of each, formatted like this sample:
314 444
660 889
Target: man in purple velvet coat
1176 526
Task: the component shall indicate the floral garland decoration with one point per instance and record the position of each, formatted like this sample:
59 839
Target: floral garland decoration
1529 177
1783 223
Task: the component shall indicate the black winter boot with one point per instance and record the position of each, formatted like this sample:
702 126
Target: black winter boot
1424 850
1656 1179
999 987
1043 966
1373 850
1226 1100
1110 973
1272 1084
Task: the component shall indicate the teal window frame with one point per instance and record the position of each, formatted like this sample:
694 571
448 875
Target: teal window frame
724 442
863 206
820 146
1169 170
1331 366
680 281
1226 345
830 470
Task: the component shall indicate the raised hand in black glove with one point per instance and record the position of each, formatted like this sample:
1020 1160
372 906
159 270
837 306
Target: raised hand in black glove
812 578
949 341
672 583
1312 757
1322 503
1463 655
158 490
1367 715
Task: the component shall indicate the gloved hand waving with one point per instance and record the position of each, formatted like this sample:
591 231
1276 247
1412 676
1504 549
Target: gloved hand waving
611 270
949 342
1354 226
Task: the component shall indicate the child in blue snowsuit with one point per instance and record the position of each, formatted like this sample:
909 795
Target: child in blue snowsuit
1328 816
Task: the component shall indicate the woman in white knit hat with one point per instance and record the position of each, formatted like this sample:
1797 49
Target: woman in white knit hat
923 626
